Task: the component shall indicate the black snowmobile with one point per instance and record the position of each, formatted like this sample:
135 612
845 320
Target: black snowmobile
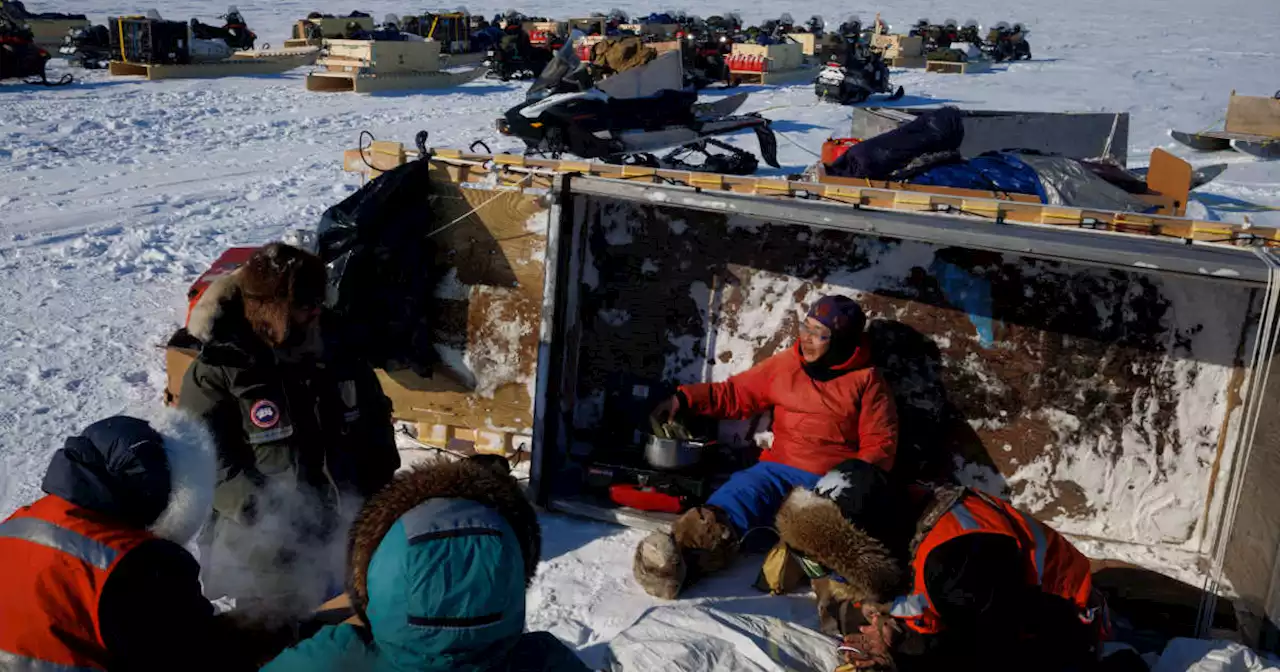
234 31
855 78
89 48
21 58
515 57
565 114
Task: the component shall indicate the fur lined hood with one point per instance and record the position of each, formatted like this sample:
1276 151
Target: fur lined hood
157 475
219 310
814 526
219 317
462 480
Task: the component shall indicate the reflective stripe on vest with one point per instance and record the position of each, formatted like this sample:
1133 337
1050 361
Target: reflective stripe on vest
12 662
58 538
55 559
1065 574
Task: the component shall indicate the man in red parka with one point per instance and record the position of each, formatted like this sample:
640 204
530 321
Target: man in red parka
829 404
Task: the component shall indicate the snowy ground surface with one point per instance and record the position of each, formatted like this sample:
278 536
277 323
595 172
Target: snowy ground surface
116 193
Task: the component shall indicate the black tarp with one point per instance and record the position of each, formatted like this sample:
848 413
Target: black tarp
380 261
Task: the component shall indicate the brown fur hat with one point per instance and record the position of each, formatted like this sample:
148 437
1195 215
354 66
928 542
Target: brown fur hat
276 279
814 526
464 479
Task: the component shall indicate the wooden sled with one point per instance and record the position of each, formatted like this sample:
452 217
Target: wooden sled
954 68
240 64
48 33
1252 127
778 78
364 82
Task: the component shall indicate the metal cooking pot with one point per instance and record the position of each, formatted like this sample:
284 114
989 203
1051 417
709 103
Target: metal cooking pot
672 453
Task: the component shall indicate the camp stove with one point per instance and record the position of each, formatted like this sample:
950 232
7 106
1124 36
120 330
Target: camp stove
626 479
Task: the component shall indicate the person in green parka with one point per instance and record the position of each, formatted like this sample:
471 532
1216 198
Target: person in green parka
437 568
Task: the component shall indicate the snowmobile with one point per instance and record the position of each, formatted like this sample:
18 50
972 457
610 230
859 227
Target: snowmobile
704 52
515 57
21 58
89 48
234 31
565 114
1005 43
855 78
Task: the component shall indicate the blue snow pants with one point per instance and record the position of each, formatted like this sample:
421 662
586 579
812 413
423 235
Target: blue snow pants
753 496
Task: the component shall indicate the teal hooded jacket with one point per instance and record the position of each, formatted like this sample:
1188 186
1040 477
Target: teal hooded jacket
443 589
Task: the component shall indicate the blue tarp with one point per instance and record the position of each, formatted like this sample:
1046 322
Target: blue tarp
990 172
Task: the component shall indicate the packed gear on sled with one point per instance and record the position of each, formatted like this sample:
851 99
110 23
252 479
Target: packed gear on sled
1007 43
90 48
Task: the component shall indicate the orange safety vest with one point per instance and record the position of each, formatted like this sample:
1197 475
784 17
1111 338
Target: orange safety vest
1051 561
55 558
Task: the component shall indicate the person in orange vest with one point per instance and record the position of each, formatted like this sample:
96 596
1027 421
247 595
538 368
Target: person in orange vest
95 576
941 578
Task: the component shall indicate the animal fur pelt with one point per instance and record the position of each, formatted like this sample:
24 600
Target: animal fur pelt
464 479
814 526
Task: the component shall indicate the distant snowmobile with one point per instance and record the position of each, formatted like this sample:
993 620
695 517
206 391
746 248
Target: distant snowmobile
565 114
90 48
855 80
234 31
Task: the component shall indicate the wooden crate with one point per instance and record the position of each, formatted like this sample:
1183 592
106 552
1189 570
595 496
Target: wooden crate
807 41
334 28
652 29
479 440
895 46
952 68
906 62
781 57
1253 115
356 81
775 77
244 63
381 57
599 24
557 27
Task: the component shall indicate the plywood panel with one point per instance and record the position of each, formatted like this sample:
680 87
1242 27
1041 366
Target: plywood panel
1087 395
1253 115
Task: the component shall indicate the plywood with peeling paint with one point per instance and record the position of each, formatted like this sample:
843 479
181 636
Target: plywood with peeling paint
488 306
1096 399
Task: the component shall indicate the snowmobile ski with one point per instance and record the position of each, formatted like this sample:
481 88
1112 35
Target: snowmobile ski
1206 174
721 108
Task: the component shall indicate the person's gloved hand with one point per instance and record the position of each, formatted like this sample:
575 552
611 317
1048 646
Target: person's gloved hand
871 647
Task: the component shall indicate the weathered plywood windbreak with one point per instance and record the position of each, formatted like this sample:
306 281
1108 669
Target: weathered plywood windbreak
490 246
1097 378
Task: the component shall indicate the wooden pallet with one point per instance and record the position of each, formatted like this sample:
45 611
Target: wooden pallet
521 173
470 439
773 78
906 62
362 82
953 68
246 63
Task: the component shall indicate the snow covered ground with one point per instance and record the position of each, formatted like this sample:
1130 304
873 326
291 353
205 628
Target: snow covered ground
116 193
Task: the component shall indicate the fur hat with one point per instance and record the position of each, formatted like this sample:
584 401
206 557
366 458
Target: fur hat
464 479
276 279
848 523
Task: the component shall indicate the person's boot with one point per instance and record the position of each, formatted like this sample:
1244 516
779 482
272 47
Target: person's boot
700 543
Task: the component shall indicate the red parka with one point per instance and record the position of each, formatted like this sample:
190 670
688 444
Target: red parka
816 424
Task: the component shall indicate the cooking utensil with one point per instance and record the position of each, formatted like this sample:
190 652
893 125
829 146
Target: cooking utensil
672 453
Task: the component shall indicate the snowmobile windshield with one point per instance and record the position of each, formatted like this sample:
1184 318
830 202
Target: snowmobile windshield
563 63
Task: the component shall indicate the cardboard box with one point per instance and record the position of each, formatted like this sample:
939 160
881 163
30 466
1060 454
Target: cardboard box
898 46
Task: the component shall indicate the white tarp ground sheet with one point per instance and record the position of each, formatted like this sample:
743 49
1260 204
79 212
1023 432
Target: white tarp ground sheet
1201 655
702 639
